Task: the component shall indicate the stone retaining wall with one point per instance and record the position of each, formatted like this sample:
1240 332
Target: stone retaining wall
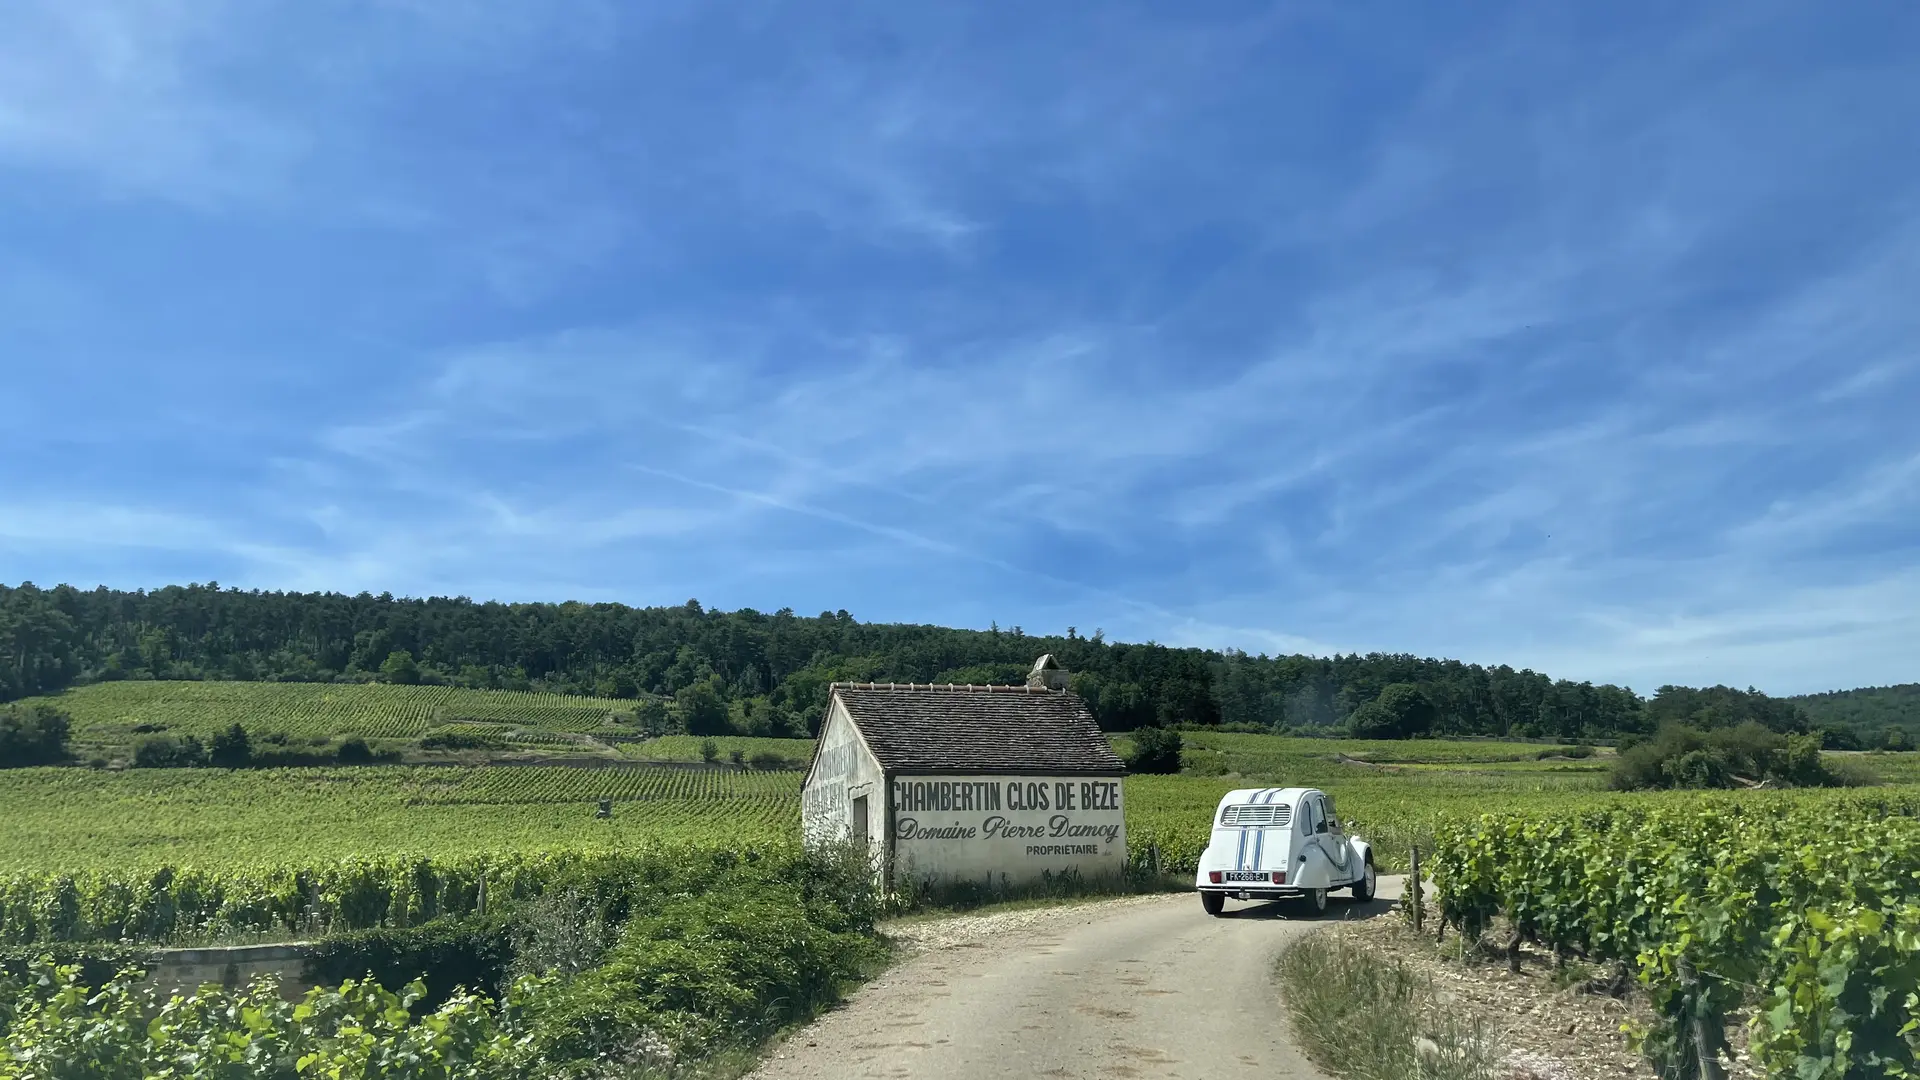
232 966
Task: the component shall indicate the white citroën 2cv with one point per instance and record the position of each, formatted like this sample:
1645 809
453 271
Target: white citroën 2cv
1272 843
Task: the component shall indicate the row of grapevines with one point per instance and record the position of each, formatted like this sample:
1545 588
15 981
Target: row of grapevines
532 784
1803 907
171 903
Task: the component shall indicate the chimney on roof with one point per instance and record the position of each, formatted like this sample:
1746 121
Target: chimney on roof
1047 674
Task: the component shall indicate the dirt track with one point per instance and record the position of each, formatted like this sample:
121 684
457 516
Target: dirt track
1136 987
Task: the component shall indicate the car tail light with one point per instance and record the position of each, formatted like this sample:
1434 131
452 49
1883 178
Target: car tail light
1279 877
1213 876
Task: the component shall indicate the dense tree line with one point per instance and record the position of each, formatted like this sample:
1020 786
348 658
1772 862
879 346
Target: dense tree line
767 673
1869 710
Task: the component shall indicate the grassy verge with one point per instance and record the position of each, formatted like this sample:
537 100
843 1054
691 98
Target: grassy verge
1364 1016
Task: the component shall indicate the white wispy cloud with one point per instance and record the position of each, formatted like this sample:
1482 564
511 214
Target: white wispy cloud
1486 338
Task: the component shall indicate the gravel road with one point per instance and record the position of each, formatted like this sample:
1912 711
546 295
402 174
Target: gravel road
1133 987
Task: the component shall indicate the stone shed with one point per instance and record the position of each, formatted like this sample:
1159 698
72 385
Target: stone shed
949 783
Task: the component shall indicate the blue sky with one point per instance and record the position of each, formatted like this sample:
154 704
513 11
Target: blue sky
1568 336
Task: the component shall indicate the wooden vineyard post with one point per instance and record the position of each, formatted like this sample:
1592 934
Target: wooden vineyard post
480 901
1413 882
1706 1031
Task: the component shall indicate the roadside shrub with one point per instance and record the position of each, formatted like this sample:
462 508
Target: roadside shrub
703 972
769 761
354 751
1155 750
843 877
709 751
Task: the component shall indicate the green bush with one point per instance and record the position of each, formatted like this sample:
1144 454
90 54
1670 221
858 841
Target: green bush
33 735
1685 757
701 972
230 749
354 751
445 956
1155 750
167 752
461 740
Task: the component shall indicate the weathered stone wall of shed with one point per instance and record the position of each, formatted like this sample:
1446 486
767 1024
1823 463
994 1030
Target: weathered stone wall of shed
1006 829
843 770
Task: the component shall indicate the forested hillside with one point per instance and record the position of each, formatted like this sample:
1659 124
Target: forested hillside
1870 709
769 672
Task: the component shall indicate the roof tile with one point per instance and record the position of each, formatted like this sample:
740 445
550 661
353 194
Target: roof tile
922 728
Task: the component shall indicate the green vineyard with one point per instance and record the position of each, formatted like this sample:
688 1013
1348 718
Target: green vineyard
1801 908
117 830
73 820
115 713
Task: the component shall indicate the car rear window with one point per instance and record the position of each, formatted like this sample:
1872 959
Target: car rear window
1257 814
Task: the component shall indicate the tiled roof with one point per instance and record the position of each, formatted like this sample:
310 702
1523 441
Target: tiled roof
939 728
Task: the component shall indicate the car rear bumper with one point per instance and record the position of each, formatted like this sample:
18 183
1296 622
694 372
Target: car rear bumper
1252 892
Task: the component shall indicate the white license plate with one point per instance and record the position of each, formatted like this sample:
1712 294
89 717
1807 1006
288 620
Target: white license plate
1246 875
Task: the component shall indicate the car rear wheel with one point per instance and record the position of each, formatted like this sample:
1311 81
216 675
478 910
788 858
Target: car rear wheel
1363 889
1314 902
1212 902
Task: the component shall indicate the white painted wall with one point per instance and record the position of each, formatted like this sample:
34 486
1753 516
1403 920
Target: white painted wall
1006 828
843 770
